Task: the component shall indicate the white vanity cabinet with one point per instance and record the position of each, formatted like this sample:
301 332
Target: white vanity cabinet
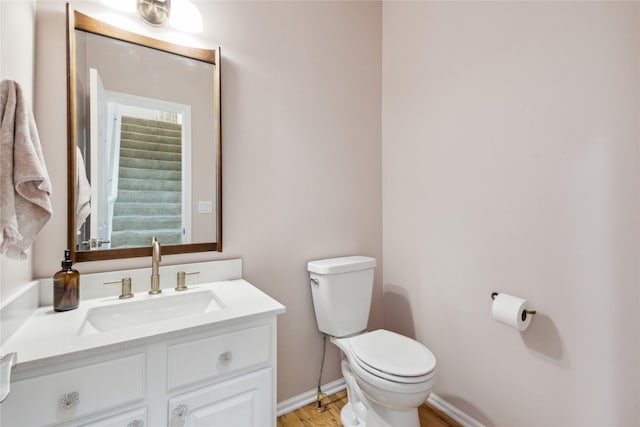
204 356
208 376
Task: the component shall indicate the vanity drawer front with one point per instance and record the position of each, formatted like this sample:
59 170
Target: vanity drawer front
66 395
197 360
135 418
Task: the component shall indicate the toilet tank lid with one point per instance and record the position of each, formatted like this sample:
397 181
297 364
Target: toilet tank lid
341 265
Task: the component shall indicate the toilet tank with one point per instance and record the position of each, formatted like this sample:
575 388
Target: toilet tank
341 289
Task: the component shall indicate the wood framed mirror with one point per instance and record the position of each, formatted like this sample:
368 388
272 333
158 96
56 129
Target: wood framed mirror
144 144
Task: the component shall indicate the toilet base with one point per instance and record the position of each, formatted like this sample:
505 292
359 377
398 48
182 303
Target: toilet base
349 418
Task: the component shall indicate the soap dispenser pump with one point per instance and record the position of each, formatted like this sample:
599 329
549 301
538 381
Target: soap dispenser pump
66 286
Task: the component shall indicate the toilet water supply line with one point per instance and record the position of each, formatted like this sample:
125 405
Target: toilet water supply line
320 395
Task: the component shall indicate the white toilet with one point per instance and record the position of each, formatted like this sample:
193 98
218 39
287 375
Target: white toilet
388 375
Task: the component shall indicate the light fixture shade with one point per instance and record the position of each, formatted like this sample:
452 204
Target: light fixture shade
127 6
154 12
182 15
185 16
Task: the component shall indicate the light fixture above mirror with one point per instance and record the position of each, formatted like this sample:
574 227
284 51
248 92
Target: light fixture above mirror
154 12
181 15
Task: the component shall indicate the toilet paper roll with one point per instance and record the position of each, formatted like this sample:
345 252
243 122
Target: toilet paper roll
509 310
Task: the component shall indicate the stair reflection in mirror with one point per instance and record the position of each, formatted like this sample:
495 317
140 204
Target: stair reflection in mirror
149 199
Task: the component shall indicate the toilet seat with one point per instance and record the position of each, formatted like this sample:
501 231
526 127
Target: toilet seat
390 360
390 377
393 356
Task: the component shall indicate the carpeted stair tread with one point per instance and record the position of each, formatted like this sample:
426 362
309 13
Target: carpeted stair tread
133 153
146 137
162 175
150 145
150 196
150 123
148 185
150 164
143 208
150 130
136 222
124 239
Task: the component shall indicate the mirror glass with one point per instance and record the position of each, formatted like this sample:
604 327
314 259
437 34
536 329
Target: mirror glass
144 144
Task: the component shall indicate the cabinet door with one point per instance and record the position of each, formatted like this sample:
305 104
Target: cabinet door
243 401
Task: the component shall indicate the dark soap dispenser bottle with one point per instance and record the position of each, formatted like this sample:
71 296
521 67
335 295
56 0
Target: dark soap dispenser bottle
66 286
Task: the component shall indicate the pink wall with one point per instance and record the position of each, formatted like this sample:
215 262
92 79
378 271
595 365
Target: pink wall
301 153
511 162
17 40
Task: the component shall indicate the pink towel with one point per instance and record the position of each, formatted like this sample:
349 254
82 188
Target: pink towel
24 182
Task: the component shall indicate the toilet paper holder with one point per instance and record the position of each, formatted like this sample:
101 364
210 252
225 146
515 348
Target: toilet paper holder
531 312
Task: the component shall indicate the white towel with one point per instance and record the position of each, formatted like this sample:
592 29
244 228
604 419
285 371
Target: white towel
83 191
24 182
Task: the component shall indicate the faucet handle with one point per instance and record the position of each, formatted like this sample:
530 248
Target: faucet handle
126 287
181 286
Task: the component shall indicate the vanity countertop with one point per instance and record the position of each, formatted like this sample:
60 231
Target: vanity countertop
48 337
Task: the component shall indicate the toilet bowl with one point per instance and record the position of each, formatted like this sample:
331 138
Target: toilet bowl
387 374
394 374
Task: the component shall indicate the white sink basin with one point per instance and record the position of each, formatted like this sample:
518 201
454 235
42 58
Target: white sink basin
153 309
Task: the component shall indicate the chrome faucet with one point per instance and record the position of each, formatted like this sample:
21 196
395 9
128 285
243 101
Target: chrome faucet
156 257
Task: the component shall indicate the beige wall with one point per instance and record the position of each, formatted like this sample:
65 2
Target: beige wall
301 153
17 40
511 163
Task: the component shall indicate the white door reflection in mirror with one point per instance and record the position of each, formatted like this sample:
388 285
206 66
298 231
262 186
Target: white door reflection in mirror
140 156
98 119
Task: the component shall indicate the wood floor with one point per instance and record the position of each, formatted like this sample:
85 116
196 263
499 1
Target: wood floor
307 416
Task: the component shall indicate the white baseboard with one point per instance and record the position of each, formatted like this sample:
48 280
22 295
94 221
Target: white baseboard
307 397
453 412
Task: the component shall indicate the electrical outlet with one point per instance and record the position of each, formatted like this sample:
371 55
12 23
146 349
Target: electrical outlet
205 207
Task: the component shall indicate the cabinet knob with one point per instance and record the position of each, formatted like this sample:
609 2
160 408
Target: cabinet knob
69 400
225 358
136 423
180 413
